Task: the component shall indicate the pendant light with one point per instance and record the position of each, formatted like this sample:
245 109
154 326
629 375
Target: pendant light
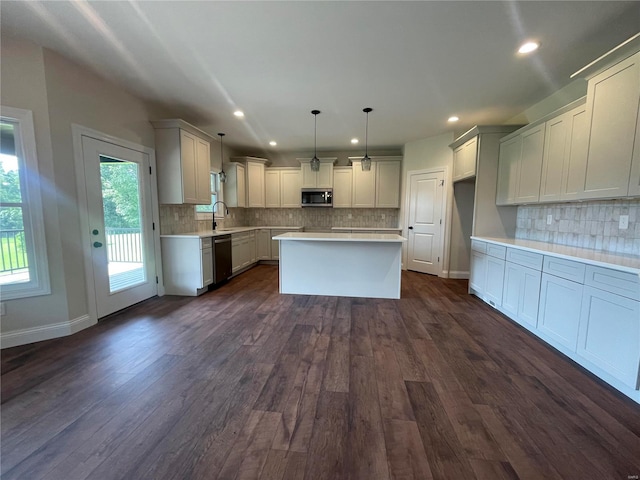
222 176
315 161
366 161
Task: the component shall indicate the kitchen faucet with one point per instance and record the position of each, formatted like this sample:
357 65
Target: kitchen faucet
213 215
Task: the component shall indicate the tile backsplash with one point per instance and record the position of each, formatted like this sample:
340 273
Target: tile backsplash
176 219
591 224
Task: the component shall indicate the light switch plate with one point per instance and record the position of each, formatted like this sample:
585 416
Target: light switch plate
549 219
623 223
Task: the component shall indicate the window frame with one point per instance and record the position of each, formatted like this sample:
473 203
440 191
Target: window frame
32 212
219 214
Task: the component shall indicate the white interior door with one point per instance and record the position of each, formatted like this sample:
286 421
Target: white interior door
118 189
424 250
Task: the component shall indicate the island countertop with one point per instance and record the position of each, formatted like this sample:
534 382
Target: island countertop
341 237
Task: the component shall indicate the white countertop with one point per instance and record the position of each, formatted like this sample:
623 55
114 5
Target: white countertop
342 237
227 231
627 263
366 229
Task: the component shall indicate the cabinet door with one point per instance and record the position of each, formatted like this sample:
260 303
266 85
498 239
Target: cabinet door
521 294
509 160
495 281
324 177
530 168
342 188
272 188
290 189
253 254
575 164
634 180
553 158
188 148
609 334
207 267
559 316
363 193
263 247
612 107
309 177
478 274
203 169
255 185
241 186
470 156
236 253
458 163
387 184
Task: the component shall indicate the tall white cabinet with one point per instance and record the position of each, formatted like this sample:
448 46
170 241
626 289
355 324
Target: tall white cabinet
183 155
255 190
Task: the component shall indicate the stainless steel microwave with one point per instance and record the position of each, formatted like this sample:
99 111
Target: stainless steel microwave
317 197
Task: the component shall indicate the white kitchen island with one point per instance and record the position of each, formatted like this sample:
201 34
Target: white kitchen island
341 264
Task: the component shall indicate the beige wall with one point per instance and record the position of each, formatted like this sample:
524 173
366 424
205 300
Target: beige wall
564 96
22 78
428 153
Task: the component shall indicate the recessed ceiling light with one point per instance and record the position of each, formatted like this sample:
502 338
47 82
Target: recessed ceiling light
239 113
354 141
528 47
273 143
453 118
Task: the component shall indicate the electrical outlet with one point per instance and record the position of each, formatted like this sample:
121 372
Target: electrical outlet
623 223
549 219
257 216
3 309
349 216
291 215
383 216
176 217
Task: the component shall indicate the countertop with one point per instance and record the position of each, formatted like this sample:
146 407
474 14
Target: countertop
226 231
627 263
366 229
342 237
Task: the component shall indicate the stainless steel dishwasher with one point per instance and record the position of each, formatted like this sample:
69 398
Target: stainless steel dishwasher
221 258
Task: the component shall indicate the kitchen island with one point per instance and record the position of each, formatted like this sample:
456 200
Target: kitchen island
341 264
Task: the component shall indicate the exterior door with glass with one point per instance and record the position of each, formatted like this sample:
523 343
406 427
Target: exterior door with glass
118 191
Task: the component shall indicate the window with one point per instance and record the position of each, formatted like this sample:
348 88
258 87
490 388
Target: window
23 252
203 212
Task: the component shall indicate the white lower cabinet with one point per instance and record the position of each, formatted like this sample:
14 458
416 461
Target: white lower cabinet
263 244
243 250
187 265
478 274
559 315
609 334
494 284
521 293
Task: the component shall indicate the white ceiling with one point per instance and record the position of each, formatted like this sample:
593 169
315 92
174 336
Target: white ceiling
415 63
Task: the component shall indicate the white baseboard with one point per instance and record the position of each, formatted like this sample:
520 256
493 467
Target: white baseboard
45 332
458 275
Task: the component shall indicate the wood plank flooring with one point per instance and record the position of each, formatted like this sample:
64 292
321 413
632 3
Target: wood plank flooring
244 383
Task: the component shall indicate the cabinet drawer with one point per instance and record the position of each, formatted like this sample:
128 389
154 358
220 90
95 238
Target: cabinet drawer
205 243
497 251
478 246
524 258
614 281
562 268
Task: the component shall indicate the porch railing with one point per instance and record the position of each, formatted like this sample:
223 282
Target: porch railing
124 244
13 251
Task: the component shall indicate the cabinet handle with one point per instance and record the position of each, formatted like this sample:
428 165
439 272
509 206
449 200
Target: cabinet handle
410 228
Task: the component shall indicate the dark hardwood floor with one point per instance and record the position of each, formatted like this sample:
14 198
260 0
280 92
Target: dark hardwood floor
245 383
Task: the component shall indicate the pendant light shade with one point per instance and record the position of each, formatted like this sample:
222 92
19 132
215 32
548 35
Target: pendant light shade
222 175
315 161
366 161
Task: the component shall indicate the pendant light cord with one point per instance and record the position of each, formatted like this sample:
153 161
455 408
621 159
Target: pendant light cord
366 138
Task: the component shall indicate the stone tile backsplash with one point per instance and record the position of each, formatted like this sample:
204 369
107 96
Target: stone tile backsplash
176 219
588 225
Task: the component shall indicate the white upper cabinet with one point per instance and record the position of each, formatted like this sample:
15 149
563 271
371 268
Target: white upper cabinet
342 187
555 144
363 186
235 192
290 188
509 162
272 188
530 165
464 160
255 180
575 154
282 188
612 109
183 163
388 184
320 179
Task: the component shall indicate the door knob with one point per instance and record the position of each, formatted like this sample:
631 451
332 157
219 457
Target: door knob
410 228
97 244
